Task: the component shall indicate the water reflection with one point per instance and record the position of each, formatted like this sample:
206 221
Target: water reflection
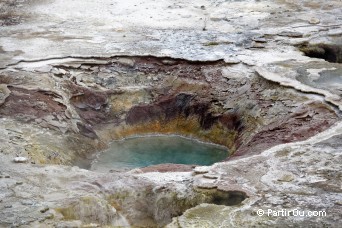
145 151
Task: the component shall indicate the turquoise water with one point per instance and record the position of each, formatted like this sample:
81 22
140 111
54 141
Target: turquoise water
145 151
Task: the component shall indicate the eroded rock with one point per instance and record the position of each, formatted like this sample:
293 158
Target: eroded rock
20 160
4 93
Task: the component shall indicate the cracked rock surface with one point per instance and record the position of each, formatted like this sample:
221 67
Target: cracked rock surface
262 78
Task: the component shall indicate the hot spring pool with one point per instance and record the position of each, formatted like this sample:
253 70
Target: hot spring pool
151 150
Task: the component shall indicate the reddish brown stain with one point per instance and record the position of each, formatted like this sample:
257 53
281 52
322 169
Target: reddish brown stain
29 105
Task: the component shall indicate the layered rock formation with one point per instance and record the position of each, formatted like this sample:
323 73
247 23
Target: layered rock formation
262 78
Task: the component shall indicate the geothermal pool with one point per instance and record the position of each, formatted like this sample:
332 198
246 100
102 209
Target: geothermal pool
145 151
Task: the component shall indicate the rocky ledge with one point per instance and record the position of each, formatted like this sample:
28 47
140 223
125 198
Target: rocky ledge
262 78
